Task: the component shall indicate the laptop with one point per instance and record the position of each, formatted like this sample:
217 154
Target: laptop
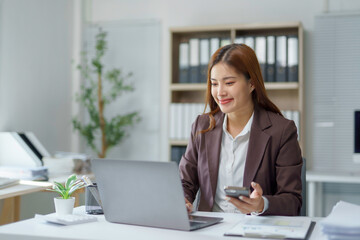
145 193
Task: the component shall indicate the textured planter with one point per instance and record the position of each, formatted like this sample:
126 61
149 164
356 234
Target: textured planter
64 206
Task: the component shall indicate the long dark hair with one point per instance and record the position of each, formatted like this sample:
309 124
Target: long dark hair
243 59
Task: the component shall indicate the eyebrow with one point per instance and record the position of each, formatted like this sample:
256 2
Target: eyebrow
225 78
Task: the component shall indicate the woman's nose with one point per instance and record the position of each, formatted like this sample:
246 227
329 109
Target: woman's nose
221 90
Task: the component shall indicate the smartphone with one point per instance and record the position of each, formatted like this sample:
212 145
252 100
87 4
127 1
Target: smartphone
236 191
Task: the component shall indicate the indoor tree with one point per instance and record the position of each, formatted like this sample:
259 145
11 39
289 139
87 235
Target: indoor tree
94 99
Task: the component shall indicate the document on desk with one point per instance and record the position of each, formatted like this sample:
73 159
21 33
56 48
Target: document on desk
271 227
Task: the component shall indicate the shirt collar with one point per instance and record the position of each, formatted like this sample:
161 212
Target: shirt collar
246 129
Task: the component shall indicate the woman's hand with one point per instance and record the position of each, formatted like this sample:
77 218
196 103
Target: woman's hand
188 205
248 205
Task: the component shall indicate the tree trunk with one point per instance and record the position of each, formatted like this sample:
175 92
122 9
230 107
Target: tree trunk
102 154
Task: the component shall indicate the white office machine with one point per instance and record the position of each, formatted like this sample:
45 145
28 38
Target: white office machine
21 149
21 156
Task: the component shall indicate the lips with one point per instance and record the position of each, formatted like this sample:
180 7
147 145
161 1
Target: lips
225 101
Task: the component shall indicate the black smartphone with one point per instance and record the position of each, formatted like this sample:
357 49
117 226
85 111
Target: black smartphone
236 191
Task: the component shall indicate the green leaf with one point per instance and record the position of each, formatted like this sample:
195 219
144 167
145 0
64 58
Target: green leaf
69 181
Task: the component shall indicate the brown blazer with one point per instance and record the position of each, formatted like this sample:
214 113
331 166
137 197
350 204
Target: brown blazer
273 160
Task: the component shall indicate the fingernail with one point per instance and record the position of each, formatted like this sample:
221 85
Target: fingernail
253 184
241 197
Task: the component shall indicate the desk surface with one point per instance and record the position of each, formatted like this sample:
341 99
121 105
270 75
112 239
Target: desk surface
335 177
37 229
26 187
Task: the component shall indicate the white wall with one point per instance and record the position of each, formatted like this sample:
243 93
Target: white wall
35 78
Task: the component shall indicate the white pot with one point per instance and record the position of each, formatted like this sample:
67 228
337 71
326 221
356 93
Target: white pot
64 206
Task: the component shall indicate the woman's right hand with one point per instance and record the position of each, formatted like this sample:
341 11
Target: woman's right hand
188 205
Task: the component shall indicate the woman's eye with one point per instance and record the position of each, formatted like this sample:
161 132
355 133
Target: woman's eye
213 84
229 83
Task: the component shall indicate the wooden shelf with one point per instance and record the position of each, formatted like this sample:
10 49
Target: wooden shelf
188 87
179 142
286 95
282 86
203 86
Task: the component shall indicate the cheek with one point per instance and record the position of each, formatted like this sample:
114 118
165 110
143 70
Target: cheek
213 92
243 93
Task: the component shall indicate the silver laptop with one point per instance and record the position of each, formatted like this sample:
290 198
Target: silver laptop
145 193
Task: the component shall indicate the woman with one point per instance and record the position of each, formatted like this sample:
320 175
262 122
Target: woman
243 141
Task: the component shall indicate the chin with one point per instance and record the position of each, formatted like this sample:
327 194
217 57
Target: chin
226 110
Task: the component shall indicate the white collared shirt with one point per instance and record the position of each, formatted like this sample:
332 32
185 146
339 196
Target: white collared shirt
232 164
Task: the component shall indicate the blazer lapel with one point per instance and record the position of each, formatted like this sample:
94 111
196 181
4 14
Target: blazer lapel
213 148
257 144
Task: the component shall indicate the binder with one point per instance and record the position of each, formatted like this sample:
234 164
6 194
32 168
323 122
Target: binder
270 59
281 59
184 62
172 133
287 114
177 121
293 58
181 121
204 59
260 50
239 40
176 153
194 60
214 45
225 41
186 120
250 42
296 119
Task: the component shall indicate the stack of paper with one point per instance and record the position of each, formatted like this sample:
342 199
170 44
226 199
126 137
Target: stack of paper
343 222
271 227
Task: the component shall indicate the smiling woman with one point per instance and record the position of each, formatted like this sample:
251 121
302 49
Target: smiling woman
242 141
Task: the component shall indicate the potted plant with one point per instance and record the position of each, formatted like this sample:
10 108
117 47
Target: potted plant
101 87
65 203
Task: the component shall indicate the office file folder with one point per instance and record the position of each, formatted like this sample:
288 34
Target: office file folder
270 59
194 60
204 59
225 41
239 40
293 59
184 62
250 42
260 50
280 59
214 45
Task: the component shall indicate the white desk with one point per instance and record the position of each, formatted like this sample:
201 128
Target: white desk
315 179
36 229
10 212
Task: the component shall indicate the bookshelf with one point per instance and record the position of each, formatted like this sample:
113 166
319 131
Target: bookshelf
287 95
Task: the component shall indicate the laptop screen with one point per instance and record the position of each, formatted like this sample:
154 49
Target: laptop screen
357 132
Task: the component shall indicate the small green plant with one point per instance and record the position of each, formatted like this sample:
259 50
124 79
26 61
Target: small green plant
94 99
71 185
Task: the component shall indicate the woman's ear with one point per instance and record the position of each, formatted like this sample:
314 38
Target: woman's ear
252 87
